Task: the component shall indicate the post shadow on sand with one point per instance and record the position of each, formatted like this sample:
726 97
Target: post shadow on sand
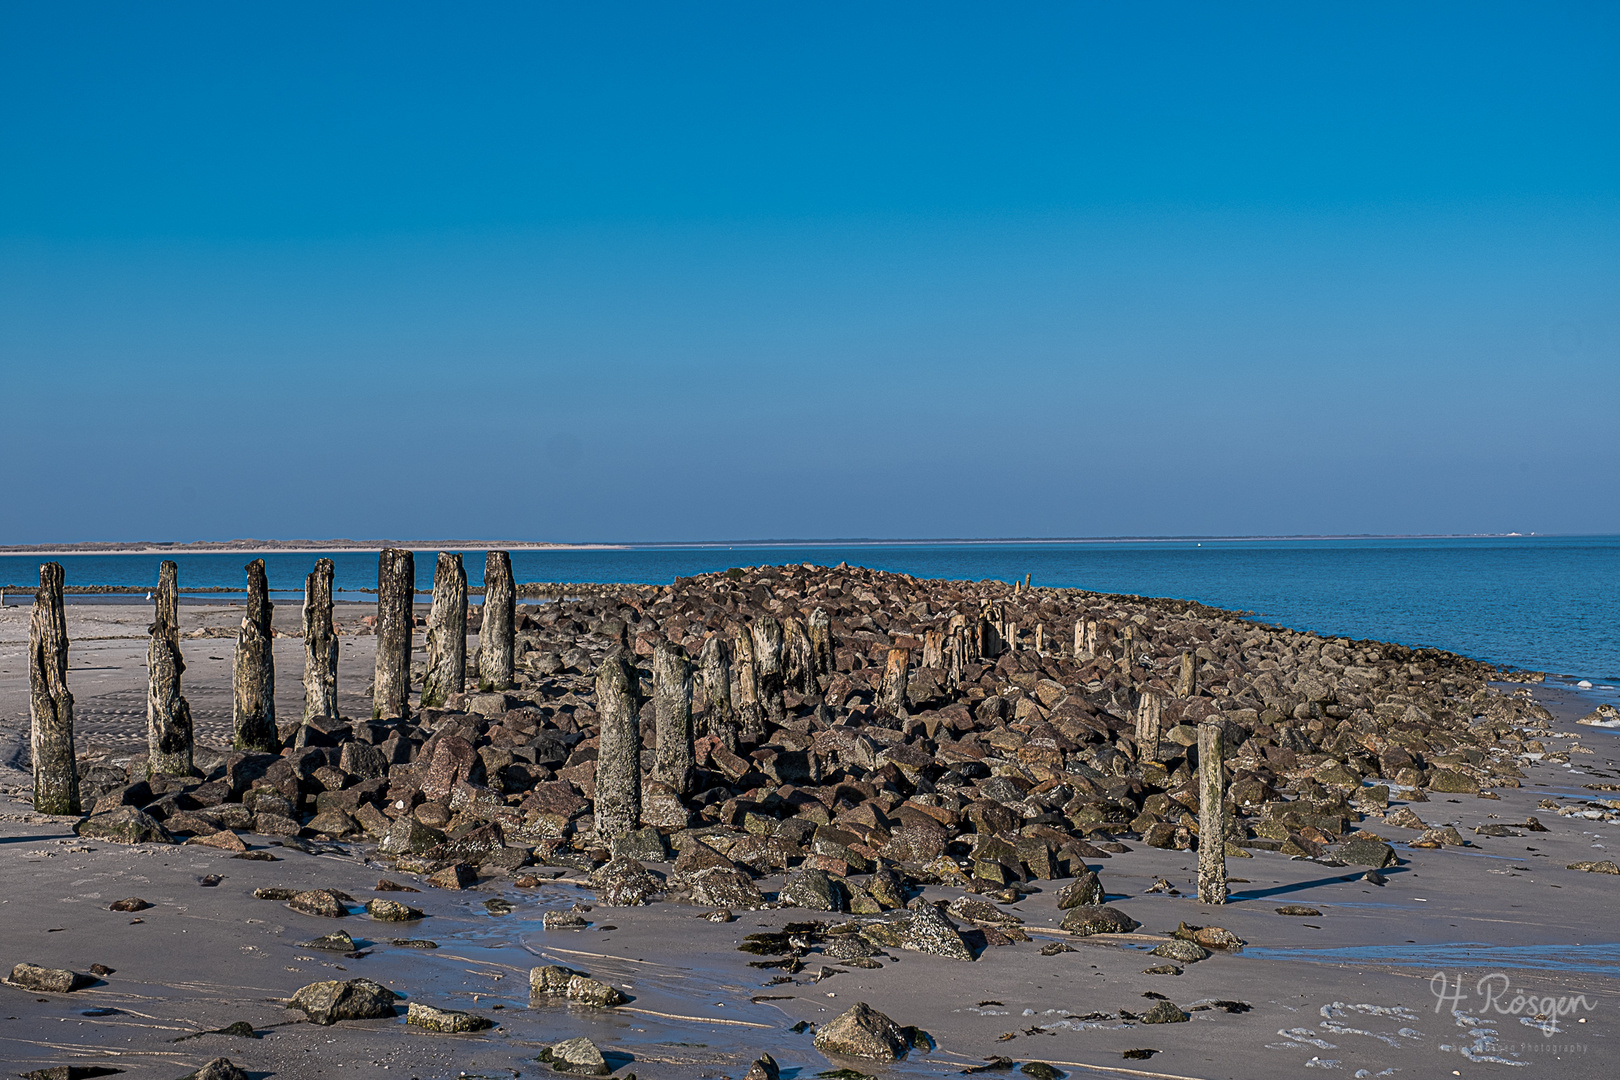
1300 886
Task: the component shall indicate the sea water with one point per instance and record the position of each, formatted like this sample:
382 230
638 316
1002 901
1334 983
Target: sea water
1542 603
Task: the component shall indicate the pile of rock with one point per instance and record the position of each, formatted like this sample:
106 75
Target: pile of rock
862 732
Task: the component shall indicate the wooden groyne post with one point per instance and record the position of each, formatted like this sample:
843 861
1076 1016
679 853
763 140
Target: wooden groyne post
168 715
50 706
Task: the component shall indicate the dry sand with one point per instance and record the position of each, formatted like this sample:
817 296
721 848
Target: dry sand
203 957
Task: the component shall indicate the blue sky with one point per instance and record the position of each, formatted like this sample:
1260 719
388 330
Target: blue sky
662 272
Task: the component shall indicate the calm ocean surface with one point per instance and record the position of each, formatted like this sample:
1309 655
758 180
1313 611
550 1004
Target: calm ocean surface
1546 603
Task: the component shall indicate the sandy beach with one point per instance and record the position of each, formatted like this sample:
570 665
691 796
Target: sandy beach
1349 989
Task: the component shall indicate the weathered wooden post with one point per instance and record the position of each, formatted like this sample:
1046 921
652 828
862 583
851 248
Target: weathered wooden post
495 633
1211 815
891 697
1079 640
1149 723
396 598
675 762
50 706
253 674
1040 639
798 663
956 657
933 648
1187 682
321 645
446 633
618 754
745 688
718 718
821 647
168 716
767 634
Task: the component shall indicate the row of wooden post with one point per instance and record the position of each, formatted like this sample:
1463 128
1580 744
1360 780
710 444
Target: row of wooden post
253 676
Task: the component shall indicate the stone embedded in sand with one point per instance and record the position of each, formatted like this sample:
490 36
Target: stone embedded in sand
413 943
1442 836
409 835
812 889
1184 951
1040 1070
563 920
623 882
1162 969
763 1068
1091 919
224 840
1085 890
1606 866
927 931
847 947
47 980
1404 818
353 999
322 902
218 1069
69 1072
982 913
1451 782
391 910
337 941
130 903
1055 947
334 823
576 1056
862 1032
1210 937
456 876
726 888
1300 910
576 986
1364 852
450 1021
1164 1012
124 825
645 844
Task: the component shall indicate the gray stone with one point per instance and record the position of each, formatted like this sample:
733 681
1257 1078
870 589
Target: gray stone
124 825
1185 952
575 986
218 1069
1364 852
1085 890
812 889
48 980
353 999
623 882
862 1032
576 1056
927 931
1091 919
1164 1012
450 1021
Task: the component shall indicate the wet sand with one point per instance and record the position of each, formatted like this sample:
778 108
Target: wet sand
203 957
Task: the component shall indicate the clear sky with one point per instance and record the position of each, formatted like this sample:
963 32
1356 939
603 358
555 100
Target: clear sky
704 271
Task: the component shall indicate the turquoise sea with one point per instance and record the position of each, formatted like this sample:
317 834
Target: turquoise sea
1545 603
